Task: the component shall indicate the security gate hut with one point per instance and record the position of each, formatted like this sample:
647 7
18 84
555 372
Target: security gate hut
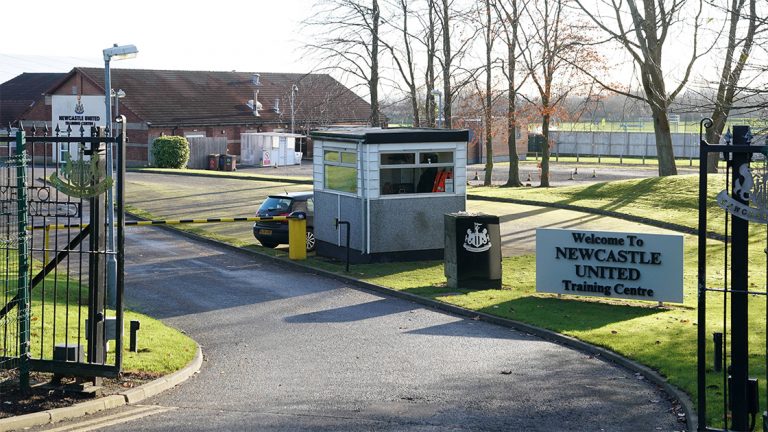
391 187
72 295
732 300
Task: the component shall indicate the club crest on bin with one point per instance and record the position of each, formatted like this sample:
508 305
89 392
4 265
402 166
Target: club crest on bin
477 241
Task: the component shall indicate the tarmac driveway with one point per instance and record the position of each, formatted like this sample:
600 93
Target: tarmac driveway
296 351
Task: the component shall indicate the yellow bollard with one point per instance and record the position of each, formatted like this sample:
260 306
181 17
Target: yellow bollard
297 236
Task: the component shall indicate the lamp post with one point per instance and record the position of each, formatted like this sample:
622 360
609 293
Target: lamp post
294 92
114 52
439 95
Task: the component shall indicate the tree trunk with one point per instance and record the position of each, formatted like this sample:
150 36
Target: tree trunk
375 119
415 107
488 111
545 148
429 116
447 99
513 179
488 150
665 152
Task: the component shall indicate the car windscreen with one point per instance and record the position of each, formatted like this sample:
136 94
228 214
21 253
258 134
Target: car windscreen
275 206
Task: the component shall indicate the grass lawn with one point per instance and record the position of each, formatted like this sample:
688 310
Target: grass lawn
661 338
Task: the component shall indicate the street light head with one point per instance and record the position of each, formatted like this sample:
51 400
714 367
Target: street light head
120 52
295 88
436 92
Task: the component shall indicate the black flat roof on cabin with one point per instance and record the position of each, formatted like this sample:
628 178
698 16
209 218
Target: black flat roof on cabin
393 135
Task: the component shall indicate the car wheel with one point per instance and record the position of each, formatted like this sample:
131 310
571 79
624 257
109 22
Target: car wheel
268 244
311 241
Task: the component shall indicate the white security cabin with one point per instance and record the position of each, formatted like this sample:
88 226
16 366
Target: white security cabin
393 186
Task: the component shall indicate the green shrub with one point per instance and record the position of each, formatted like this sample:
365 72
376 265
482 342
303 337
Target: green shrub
170 152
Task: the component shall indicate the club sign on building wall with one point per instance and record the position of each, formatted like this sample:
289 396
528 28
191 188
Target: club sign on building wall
609 264
75 111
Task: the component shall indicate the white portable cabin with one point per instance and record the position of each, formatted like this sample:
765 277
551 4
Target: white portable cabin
393 186
269 149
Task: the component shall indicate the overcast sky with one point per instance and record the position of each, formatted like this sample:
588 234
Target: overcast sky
251 36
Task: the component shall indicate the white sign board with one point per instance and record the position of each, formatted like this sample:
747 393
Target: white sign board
74 112
609 264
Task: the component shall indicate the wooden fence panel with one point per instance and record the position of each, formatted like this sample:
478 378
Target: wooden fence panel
201 147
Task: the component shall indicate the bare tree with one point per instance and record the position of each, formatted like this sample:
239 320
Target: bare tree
733 66
431 48
489 35
552 49
642 32
348 41
403 56
486 96
509 16
449 18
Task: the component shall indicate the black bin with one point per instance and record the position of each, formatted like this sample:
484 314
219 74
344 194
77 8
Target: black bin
472 251
222 162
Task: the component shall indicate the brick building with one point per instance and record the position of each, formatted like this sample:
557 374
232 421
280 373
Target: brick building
192 103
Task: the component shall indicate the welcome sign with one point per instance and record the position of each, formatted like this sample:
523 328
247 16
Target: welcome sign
609 264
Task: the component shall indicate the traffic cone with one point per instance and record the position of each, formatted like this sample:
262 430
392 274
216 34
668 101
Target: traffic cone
594 174
529 177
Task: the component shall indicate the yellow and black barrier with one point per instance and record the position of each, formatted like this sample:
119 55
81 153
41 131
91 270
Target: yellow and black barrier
208 220
297 229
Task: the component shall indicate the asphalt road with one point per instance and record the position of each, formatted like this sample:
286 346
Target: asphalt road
296 351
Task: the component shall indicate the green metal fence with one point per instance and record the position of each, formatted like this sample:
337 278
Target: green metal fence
14 263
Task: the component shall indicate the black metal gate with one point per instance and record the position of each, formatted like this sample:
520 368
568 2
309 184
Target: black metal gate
732 300
75 272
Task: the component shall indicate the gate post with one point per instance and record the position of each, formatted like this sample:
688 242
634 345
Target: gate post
96 286
739 300
702 287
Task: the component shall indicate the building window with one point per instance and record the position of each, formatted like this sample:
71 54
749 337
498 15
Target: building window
416 172
340 170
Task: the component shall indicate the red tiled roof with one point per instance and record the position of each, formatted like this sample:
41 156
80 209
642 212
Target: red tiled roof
19 93
177 98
